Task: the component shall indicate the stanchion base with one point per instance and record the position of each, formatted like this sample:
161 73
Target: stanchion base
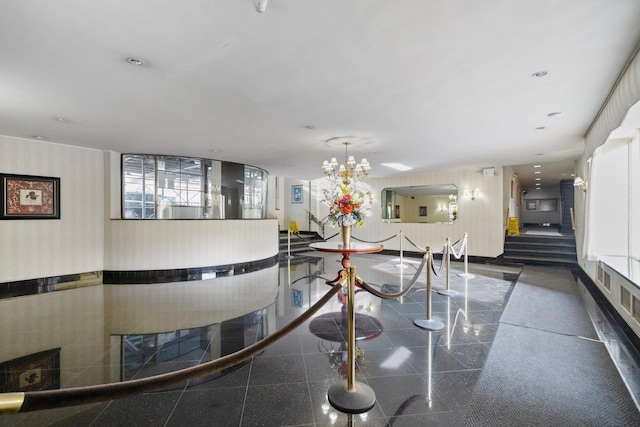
358 401
430 324
448 292
401 265
466 275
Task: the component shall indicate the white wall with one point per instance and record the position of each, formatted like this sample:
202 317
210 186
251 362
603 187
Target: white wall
297 212
72 244
157 245
86 238
481 218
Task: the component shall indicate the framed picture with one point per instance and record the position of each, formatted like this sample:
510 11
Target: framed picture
29 197
296 194
397 211
423 211
34 372
532 205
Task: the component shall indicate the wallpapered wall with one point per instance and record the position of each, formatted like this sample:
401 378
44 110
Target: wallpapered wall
481 218
72 244
86 239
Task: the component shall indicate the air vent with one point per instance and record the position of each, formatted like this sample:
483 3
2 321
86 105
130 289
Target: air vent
600 273
607 281
625 299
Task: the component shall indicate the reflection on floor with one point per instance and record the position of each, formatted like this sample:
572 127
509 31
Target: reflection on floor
419 377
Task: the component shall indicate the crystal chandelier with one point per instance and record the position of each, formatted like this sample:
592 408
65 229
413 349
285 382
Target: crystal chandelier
349 171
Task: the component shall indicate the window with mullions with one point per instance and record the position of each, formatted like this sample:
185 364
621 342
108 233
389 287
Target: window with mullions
175 187
138 187
254 192
180 187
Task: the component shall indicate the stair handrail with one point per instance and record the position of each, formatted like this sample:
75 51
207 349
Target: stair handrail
573 219
319 222
14 402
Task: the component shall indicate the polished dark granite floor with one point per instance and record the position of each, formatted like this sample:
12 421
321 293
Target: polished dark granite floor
419 377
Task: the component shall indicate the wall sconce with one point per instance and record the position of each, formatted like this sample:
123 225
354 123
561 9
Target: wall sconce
580 183
472 194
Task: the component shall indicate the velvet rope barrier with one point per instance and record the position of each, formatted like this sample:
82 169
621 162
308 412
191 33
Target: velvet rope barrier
49 399
377 241
384 295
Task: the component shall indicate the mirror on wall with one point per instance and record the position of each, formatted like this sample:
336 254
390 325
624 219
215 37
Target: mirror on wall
420 204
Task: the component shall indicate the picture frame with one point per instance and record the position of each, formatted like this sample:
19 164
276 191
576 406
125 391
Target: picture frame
33 372
296 194
397 212
423 211
29 197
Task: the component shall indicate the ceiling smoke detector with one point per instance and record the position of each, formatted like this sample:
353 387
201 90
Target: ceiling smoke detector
135 61
260 5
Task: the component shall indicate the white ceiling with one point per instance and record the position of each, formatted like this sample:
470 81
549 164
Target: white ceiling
436 85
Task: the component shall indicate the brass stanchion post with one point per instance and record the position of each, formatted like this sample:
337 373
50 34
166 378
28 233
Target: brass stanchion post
288 256
351 329
428 323
402 264
448 291
466 273
351 396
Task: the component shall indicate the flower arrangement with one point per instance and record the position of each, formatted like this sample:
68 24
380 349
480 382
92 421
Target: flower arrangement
346 207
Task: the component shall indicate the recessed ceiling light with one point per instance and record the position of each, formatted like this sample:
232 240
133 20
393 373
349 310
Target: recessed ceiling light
555 114
135 61
537 166
538 179
397 166
537 172
540 73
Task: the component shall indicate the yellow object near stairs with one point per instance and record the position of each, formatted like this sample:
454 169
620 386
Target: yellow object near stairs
513 227
293 228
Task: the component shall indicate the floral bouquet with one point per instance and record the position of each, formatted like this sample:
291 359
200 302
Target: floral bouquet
346 207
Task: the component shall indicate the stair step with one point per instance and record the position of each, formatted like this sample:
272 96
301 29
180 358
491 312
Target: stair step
545 250
532 260
540 248
543 253
298 242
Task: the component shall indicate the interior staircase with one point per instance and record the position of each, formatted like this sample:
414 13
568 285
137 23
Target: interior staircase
299 242
546 250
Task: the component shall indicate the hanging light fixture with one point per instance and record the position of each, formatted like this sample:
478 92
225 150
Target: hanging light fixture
349 171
